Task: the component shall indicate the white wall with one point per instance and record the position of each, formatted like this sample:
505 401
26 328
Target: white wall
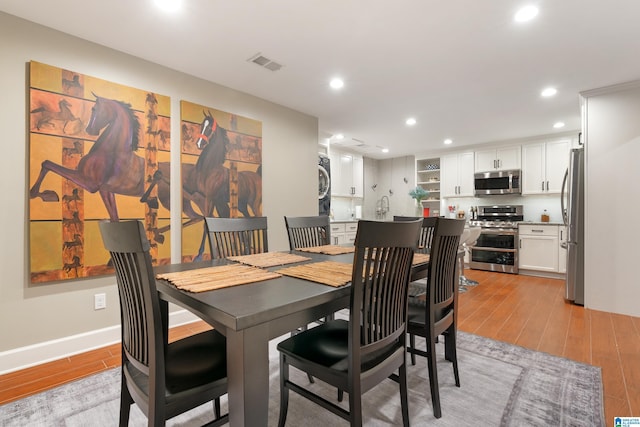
35 314
612 203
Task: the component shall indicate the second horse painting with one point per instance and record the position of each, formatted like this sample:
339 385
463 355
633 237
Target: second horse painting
221 158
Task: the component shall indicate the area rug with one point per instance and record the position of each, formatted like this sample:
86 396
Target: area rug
501 385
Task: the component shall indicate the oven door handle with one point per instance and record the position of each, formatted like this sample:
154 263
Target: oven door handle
482 248
503 232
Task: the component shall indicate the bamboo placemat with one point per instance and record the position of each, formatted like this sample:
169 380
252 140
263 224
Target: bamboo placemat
210 278
268 259
420 258
326 272
329 249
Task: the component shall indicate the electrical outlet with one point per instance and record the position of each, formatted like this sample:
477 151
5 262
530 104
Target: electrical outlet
99 301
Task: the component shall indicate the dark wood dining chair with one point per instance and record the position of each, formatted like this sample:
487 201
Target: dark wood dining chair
163 379
307 231
426 232
437 313
358 354
419 286
237 236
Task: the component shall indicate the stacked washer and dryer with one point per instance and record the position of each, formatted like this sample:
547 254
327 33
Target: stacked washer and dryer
324 185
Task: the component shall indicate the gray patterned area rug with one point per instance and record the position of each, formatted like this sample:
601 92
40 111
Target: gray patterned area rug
501 385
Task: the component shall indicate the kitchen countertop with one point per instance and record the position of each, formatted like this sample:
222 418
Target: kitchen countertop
338 221
539 223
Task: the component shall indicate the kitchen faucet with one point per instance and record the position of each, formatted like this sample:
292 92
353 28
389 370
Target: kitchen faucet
382 207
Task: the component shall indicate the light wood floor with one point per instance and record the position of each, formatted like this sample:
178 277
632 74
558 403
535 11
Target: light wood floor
527 311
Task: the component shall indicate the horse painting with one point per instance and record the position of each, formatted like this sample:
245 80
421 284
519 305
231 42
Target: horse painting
111 166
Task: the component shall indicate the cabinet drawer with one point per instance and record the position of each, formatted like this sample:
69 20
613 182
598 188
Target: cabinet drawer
350 238
351 227
538 230
337 228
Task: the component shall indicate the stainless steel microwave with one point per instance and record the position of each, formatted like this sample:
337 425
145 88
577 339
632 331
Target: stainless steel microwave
497 182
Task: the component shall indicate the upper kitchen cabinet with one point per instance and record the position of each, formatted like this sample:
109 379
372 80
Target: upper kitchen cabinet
497 159
543 166
457 175
347 174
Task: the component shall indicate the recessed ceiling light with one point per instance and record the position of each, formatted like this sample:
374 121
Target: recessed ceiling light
339 136
385 150
169 5
448 141
525 14
336 83
411 121
558 125
550 91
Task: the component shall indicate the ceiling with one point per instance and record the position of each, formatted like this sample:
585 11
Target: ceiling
462 68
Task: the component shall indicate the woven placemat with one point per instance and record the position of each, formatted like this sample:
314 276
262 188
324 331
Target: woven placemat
210 278
268 259
420 258
326 272
329 249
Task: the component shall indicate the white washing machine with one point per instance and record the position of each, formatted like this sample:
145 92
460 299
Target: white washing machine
324 185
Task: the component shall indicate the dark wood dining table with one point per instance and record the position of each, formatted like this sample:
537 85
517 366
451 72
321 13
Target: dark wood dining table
250 315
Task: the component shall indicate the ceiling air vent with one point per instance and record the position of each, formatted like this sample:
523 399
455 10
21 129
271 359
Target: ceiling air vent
265 62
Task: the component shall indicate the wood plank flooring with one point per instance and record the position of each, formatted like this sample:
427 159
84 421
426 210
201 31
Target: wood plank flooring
527 311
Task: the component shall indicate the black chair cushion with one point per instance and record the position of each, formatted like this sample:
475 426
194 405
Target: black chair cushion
195 360
327 345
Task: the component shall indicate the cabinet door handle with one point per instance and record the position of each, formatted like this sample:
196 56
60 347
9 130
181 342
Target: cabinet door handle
561 234
547 185
520 243
542 186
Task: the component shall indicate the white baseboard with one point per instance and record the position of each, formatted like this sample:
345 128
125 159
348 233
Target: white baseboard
36 354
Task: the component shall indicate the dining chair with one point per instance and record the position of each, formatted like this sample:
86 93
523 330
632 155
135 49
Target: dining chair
307 231
237 236
418 287
163 379
426 232
358 354
437 313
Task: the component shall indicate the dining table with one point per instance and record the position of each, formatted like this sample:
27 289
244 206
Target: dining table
252 314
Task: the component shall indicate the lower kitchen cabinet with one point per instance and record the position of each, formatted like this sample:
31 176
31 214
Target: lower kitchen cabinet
538 248
562 251
343 232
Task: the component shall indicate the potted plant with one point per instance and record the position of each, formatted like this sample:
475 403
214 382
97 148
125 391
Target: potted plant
418 194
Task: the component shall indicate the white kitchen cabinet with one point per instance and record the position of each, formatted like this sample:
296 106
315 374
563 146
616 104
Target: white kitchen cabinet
457 175
497 159
562 251
347 174
343 232
538 247
543 167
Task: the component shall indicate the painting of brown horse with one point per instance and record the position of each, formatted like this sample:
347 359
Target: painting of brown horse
91 158
219 181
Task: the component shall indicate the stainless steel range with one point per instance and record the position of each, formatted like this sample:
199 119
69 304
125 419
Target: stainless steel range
496 248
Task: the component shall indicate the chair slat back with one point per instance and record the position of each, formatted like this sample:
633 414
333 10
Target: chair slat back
307 231
426 233
139 304
237 236
443 263
379 290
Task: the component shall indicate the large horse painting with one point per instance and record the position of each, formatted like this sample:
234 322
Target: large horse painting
95 147
221 157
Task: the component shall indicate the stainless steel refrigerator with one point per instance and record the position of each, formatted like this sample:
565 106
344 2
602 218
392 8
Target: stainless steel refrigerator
572 205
